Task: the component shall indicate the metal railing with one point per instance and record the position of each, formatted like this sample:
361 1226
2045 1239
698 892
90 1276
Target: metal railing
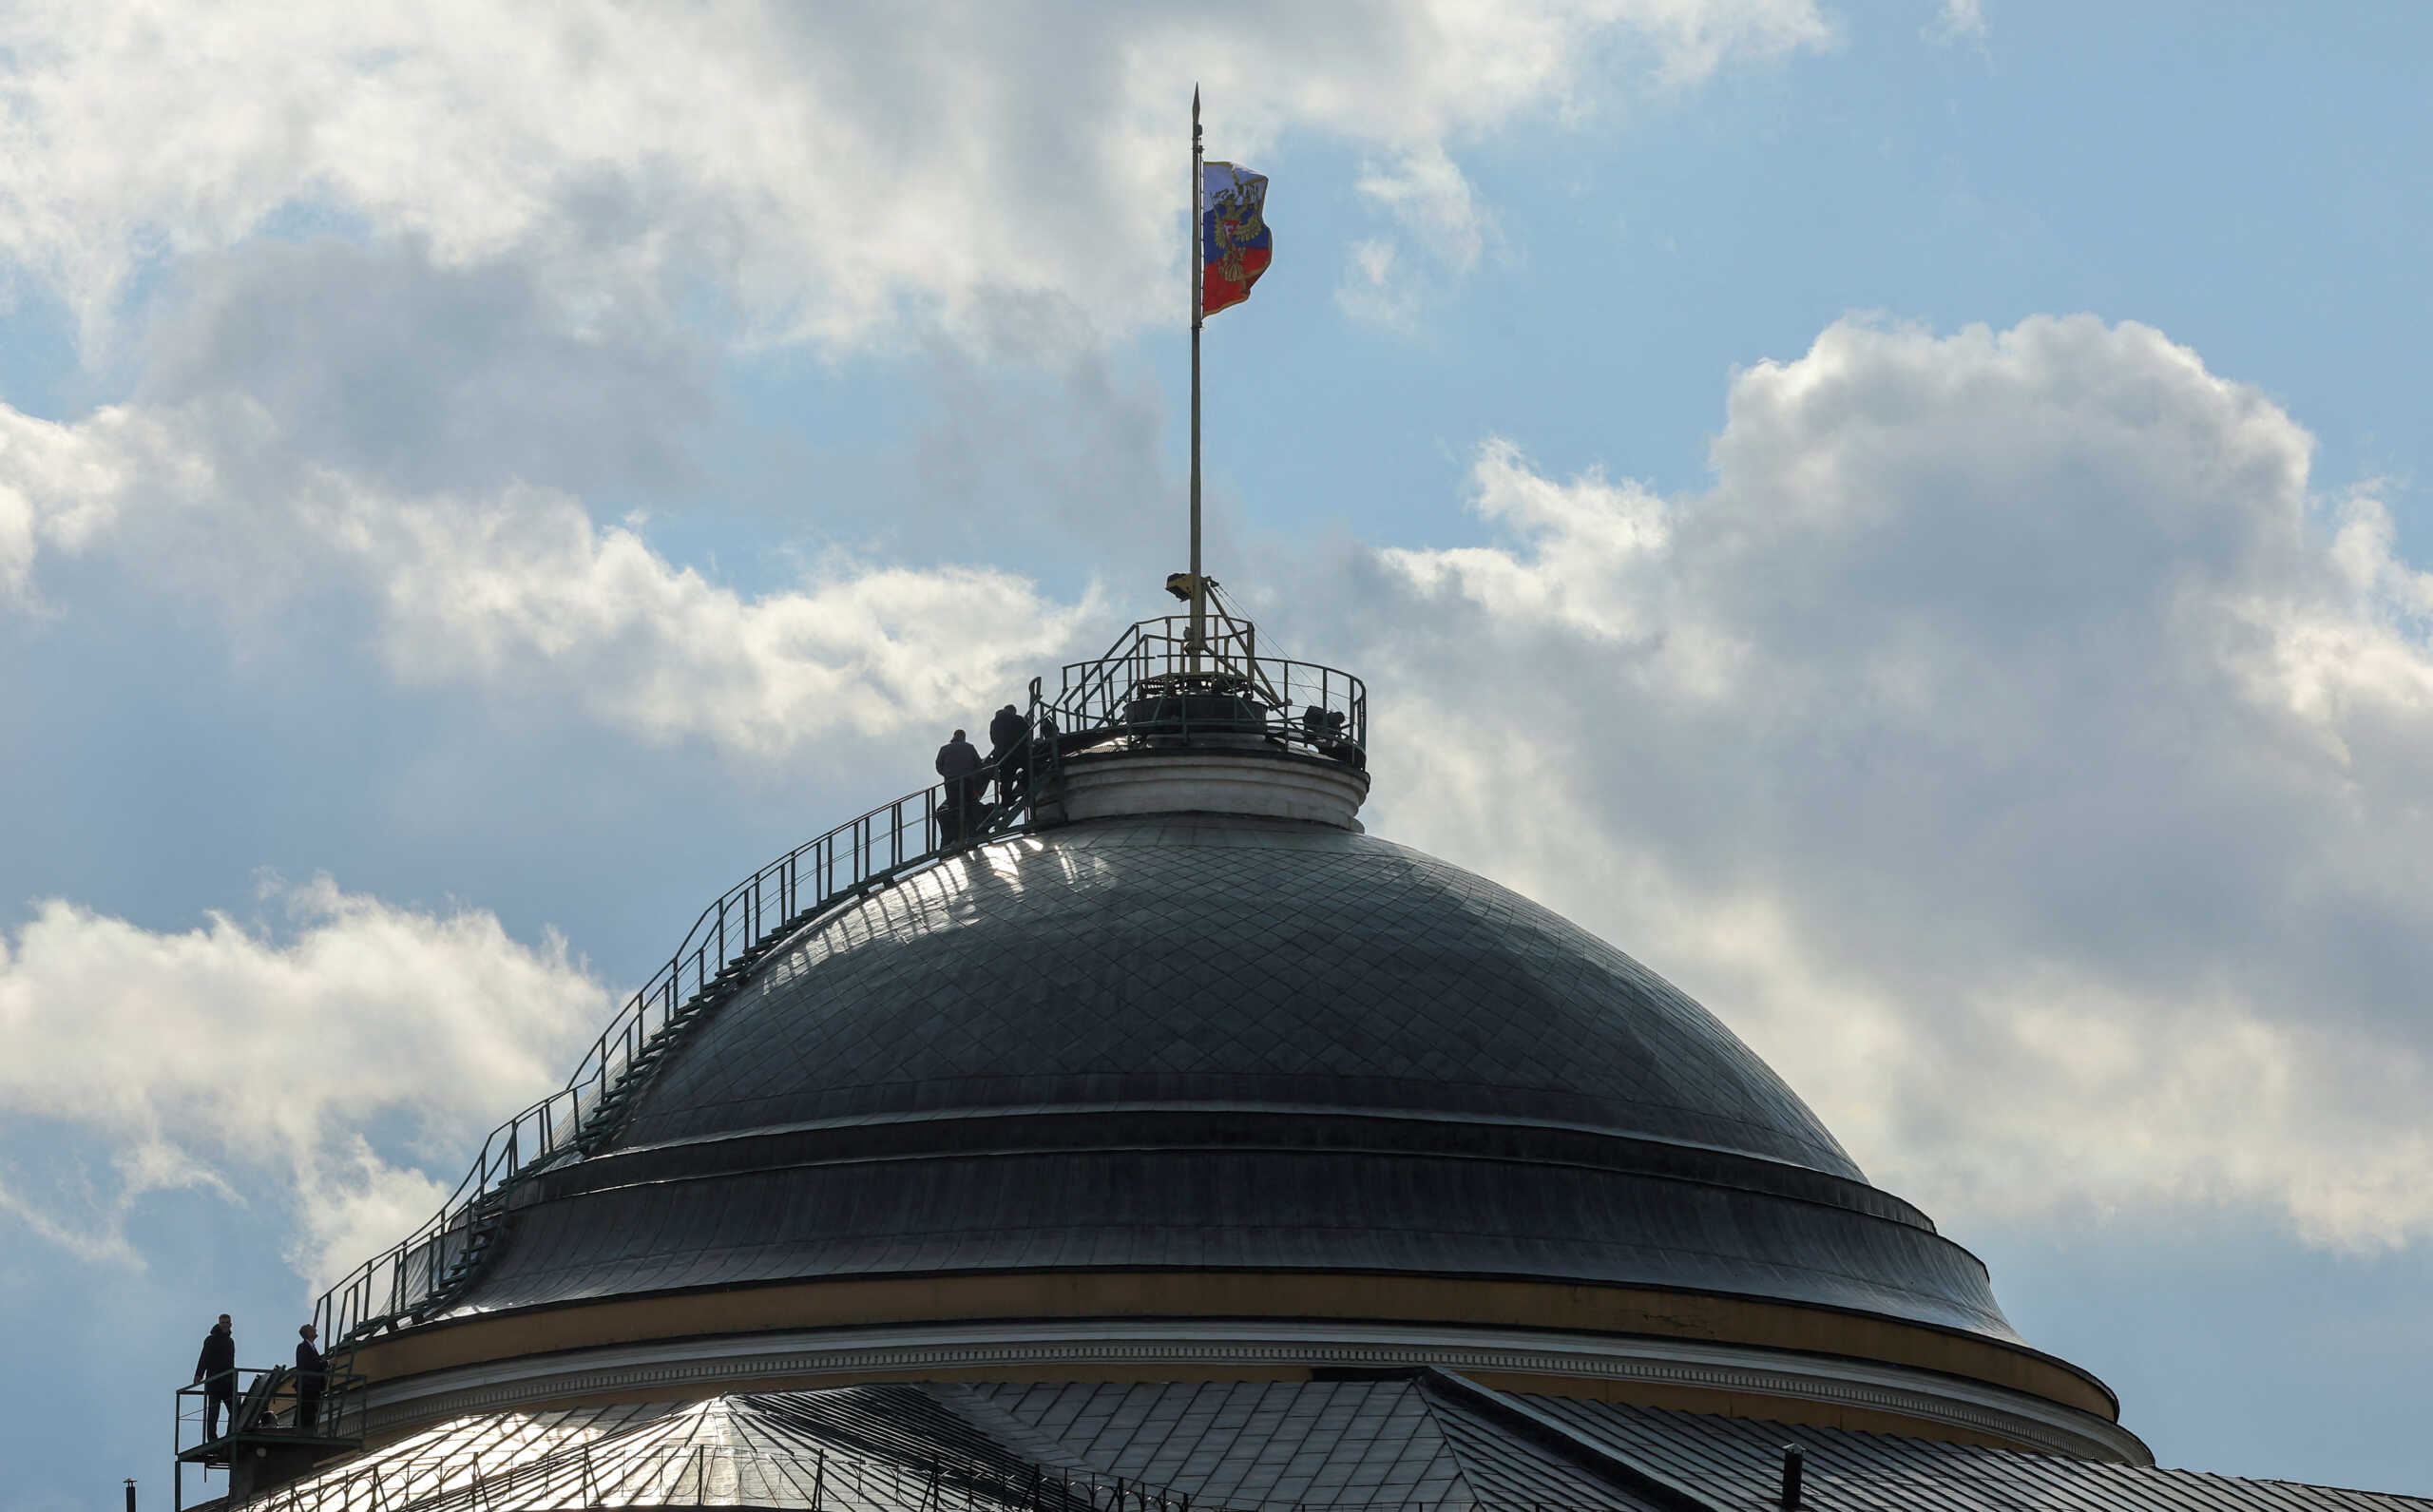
415 1275
1150 687
266 1400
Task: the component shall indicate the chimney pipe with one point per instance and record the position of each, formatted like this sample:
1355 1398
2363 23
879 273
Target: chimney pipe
1794 1474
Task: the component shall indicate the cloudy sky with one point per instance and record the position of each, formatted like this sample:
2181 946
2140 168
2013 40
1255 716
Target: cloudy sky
1907 515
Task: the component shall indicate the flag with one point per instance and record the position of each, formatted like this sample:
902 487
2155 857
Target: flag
1234 239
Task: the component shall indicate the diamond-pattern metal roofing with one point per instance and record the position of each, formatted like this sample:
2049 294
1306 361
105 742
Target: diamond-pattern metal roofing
1197 958
1209 1042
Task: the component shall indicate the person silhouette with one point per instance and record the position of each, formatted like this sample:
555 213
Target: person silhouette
312 1374
215 1371
1008 734
958 763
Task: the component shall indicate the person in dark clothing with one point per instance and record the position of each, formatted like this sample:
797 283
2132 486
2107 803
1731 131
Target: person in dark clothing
959 764
1005 731
312 1374
1009 732
215 1371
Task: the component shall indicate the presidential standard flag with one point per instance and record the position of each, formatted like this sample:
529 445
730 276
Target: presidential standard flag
1234 240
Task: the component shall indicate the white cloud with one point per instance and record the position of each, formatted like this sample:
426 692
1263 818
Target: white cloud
826 173
527 591
90 1220
379 361
243 1058
1433 205
1607 530
2009 743
520 590
58 486
1959 21
1374 288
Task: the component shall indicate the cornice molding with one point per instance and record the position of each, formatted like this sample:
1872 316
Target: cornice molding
699 1367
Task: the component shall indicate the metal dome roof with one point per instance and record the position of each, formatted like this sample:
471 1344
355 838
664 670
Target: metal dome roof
1217 1042
1206 960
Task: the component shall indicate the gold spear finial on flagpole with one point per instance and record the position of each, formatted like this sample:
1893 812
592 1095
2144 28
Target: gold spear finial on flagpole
1197 641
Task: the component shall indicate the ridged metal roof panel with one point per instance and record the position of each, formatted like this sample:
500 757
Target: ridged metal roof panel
1424 1445
1738 1463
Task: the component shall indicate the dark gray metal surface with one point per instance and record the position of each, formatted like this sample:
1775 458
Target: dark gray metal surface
1203 959
1195 1041
1229 1208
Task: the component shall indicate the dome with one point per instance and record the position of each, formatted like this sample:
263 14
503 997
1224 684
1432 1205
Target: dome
1183 1076
1218 1041
1210 960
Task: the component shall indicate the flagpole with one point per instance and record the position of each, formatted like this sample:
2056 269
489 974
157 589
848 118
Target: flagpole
1197 638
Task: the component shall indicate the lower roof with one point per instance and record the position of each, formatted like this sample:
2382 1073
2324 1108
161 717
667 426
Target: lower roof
1422 1441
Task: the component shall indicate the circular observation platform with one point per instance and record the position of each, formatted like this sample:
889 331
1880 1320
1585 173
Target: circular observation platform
1195 1080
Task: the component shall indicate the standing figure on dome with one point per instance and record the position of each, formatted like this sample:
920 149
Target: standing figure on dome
1008 733
215 1371
311 1373
959 764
